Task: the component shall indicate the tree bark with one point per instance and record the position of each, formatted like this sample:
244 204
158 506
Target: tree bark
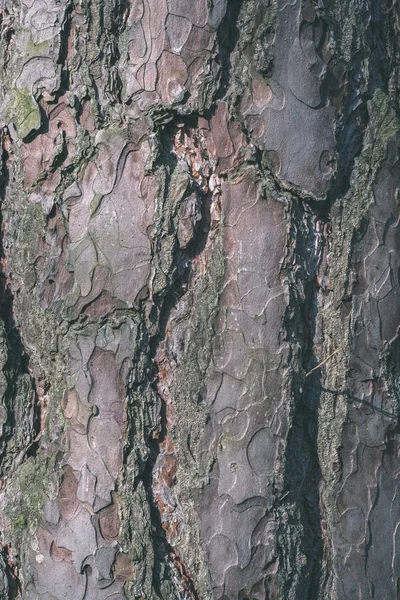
200 299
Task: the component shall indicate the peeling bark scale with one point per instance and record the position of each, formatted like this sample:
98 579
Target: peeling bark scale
199 205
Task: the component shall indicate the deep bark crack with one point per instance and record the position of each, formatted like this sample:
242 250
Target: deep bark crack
303 472
184 271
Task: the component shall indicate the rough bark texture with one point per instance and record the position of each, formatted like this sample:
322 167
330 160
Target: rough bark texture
200 204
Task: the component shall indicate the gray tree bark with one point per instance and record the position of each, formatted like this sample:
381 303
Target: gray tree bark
200 299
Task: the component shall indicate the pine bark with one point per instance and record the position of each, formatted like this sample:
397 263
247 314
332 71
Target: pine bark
199 299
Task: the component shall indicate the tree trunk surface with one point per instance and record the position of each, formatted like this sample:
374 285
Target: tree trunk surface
200 300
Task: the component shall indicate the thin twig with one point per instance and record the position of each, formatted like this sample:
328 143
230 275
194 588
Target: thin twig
386 413
325 360
354 400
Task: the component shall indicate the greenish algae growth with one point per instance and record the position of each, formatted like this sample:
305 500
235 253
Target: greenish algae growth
48 344
27 494
20 523
24 113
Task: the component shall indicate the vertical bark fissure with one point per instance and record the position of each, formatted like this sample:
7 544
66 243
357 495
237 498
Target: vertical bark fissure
228 36
350 136
65 36
19 427
13 586
184 271
17 357
303 472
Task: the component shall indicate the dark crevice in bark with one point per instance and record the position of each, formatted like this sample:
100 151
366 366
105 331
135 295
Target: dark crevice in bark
33 448
379 65
94 24
165 556
96 96
303 472
120 14
303 476
4 173
7 31
79 107
161 547
12 365
228 36
65 35
350 138
392 360
14 584
164 553
60 158
17 362
369 538
118 17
